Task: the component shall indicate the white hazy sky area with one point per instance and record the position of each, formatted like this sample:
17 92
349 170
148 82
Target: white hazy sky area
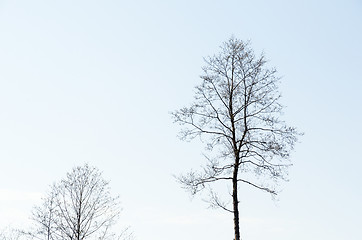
94 81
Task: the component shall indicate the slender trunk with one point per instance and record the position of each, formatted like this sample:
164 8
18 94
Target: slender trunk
236 154
236 201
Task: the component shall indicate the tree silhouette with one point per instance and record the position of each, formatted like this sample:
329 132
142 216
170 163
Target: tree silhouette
236 113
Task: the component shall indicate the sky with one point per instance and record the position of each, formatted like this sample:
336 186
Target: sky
94 82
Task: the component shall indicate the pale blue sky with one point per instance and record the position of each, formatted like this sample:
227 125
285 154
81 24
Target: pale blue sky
94 81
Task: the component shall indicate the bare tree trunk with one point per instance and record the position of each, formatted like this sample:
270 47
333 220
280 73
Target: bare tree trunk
236 202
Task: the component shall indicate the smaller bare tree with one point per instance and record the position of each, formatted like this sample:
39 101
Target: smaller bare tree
43 216
10 233
79 207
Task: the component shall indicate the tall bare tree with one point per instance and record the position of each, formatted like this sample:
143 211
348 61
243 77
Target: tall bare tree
79 207
237 114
